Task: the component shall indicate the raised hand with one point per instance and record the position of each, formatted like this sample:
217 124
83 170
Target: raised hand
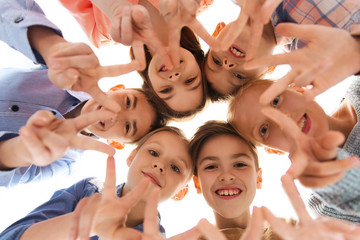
47 138
310 156
74 66
180 13
105 214
330 56
151 225
258 12
308 228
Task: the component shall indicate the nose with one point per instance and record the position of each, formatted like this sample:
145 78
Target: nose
227 64
226 177
174 76
159 167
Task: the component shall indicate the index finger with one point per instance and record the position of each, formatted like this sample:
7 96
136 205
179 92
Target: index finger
134 196
151 227
295 198
267 9
110 179
87 119
200 30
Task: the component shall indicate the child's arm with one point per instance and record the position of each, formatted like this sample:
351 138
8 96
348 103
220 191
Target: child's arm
45 138
330 56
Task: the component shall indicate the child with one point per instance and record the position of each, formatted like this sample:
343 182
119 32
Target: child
320 135
225 71
178 90
227 173
161 156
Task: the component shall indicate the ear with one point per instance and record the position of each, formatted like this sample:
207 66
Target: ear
131 156
197 184
259 179
271 69
181 194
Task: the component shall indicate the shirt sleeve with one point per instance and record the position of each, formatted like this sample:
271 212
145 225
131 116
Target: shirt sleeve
22 175
62 202
16 16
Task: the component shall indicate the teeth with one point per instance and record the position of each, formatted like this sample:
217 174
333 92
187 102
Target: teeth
237 52
228 192
302 123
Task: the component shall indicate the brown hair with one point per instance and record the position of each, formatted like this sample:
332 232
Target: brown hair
190 42
213 129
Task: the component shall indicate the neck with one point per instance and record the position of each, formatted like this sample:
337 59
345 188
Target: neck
239 222
343 119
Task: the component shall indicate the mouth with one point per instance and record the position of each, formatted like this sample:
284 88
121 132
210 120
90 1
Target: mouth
228 193
152 178
237 52
304 123
163 68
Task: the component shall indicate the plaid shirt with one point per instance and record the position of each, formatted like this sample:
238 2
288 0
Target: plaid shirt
344 14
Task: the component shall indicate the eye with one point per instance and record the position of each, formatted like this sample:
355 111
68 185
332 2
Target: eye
128 102
239 76
239 165
210 167
189 81
153 153
166 90
175 168
216 61
275 102
127 127
263 130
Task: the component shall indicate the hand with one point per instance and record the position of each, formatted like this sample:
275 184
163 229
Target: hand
258 12
105 214
74 66
308 228
180 13
131 25
310 156
330 56
47 138
151 225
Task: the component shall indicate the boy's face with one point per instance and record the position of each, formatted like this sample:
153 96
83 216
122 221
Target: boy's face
181 87
251 122
165 160
224 69
131 123
227 175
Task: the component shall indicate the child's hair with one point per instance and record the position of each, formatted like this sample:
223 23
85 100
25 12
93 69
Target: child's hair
170 129
160 119
235 99
190 42
213 129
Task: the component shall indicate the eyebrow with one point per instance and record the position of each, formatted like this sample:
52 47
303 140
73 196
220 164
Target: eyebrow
238 155
134 128
135 101
211 158
191 89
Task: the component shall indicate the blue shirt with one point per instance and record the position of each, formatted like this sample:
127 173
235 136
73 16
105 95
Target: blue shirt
62 202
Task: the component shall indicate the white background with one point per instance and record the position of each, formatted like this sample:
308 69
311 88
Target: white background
177 217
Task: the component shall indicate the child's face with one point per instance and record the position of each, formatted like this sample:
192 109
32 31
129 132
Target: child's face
132 122
251 122
227 175
180 88
165 160
224 69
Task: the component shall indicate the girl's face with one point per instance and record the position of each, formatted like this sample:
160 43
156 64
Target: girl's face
224 69
165 160
132 122
227 175
251 122
180 88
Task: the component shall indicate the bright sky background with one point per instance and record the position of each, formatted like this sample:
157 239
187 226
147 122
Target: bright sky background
177 217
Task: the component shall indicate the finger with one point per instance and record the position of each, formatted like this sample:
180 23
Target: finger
267 9
89 118
309 76
56 144
103 99
276 88
151 225
273 60
278 225
209 231
76 61
326 146
72 49
295 198
88 143
191 6
117 70
110 179
139 53
228 35
87 216
303 31
320 181
76 214
255 36
256 227
191 234
130 199
126 26
174 45
64 79
200 30
40 118
328 168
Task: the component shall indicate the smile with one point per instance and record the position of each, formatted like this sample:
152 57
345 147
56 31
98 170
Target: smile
152 178
304 123
228 193
236 52
163 68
